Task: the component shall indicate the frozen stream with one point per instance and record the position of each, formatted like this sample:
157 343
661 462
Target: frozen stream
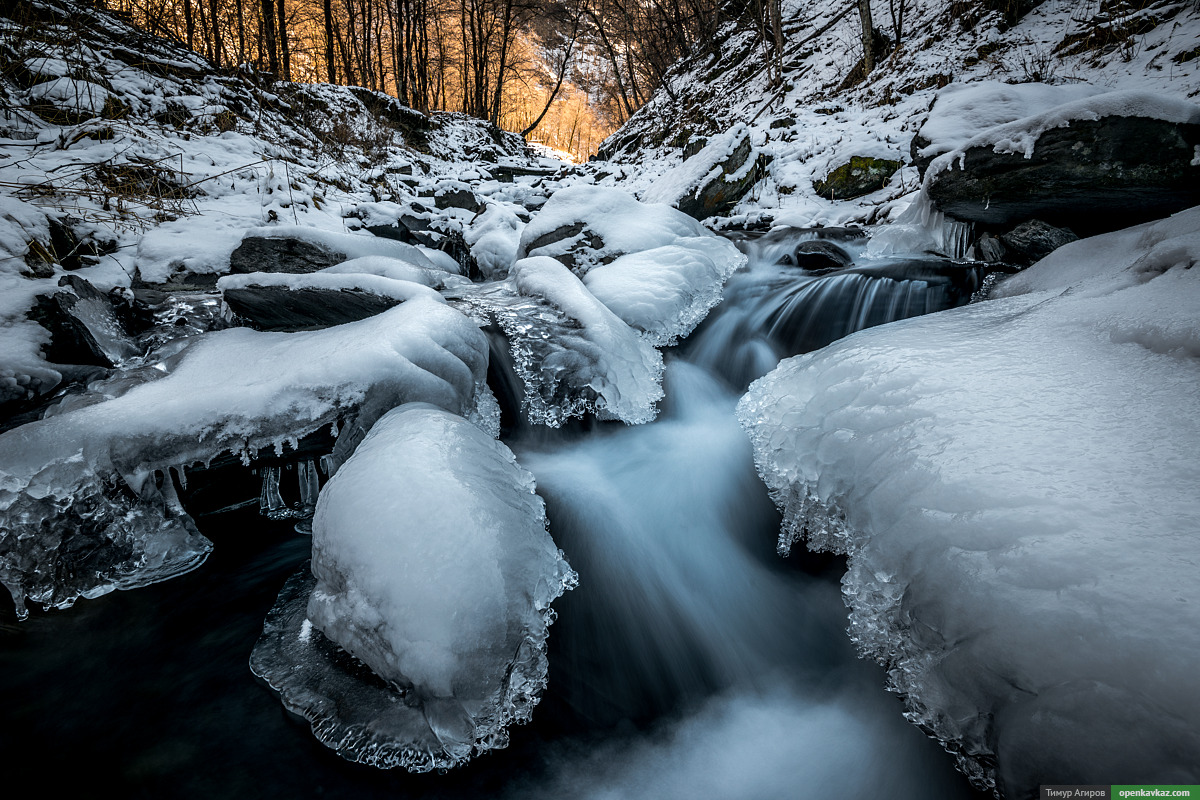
690 662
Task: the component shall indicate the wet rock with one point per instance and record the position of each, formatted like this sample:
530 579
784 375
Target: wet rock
819 255
294 256
859 176
1034 240
277 308
1092 177
990 248
84 326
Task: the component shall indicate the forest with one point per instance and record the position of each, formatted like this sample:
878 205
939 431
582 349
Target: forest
565 73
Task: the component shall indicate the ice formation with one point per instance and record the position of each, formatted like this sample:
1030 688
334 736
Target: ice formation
1015 484
433 566
573 354
87 501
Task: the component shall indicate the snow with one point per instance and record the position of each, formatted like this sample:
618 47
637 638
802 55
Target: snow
1014 483
236 390
623 224
434 567
665 292
1021 135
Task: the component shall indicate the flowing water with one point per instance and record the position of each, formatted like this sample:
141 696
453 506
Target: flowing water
690 662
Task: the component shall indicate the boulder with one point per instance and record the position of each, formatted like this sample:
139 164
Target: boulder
1032 241
859 176
457 197
84 326
283 254
711 182
819 255
279 308
1093 176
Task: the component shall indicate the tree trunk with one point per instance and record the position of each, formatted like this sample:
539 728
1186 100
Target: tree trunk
868 36
283 42
330 66
268 12
216 31
189 24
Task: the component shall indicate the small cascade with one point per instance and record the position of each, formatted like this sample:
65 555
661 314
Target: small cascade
778 309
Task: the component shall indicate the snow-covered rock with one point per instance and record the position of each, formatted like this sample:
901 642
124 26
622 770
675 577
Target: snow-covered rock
667 291
1094 164
573 354
87 500
272 301
434 567
584 226
1015 485
713 180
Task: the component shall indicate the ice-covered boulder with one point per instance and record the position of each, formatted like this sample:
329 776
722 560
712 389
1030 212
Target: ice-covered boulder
87 498
1094 164
1015 484
433 566
712 181
572 353
584 226
667 291
657 269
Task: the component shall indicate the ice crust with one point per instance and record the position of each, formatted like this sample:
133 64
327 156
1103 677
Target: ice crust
1015 484
433 567
573 354
92 485
667 291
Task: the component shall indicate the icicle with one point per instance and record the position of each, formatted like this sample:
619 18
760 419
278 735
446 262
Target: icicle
956 237
306 473
270 502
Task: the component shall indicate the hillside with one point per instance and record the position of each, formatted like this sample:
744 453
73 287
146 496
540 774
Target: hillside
821 116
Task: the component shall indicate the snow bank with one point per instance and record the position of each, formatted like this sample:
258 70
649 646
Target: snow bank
434 567
96 478
1015 484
